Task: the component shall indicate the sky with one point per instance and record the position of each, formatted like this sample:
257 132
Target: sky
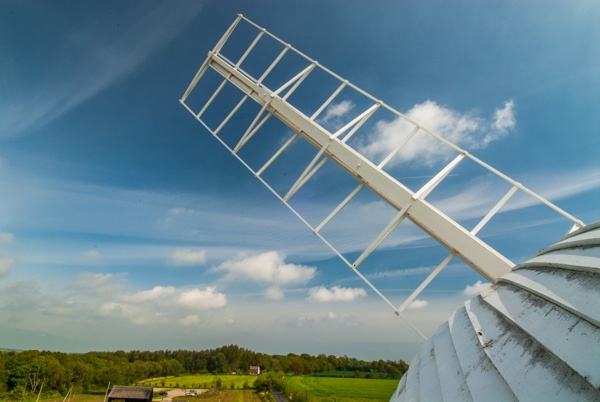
125 225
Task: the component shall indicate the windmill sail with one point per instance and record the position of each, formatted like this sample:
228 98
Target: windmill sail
256 87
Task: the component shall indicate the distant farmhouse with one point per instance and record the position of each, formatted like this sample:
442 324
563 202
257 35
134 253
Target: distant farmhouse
254 370
131 394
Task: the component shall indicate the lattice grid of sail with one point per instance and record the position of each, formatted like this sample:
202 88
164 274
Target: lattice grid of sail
283 115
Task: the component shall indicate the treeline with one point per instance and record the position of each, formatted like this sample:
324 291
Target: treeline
29 371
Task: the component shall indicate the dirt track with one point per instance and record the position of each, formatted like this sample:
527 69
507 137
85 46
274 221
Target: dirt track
172 393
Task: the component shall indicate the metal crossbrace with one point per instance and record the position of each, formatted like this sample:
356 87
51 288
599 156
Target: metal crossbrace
333 146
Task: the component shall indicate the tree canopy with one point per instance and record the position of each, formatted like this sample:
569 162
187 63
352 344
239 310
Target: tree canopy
27 371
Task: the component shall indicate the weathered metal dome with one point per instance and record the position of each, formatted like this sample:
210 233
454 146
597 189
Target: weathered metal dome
532 336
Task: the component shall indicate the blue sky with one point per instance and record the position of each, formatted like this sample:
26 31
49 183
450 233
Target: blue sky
125 225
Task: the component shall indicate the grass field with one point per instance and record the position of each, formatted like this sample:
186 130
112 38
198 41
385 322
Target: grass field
226 396
203 381
348 373
325 389
317 389
222 396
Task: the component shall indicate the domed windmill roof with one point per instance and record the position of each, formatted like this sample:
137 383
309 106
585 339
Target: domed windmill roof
532 336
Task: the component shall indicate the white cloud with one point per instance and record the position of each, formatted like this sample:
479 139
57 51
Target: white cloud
269 267
274 293
336 110
400 272
186 257
474 290
336 293
91 256
167 297
417 304
504 119
556 185
180 211
134 314
111 297
176 214
196 299
465 130
190 320
230 322
332 316
6 238
6 264
156 293
130 312
100 284
93 66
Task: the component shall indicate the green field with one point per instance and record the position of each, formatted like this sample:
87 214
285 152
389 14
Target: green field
318 389
323 389
225 396
202 381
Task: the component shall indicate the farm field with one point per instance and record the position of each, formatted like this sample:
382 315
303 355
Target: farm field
325 389
202 381
98 397
226 396
222 396
317 389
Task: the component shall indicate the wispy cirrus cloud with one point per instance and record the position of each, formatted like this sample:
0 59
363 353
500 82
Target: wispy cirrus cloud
87 60
188 257
91 256
477 197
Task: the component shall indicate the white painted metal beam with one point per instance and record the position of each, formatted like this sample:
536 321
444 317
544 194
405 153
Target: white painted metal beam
473 251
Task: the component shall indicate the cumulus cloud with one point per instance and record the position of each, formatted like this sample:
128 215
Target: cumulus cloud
336 110
157 292
190 320
100 284
188 257
230 322
6 238
474 290
269 267
465 130
132 313
158 304
336 293
417 304
274 293
197 299
504 119
6 264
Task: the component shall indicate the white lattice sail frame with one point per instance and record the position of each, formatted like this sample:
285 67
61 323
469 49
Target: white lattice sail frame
410 205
